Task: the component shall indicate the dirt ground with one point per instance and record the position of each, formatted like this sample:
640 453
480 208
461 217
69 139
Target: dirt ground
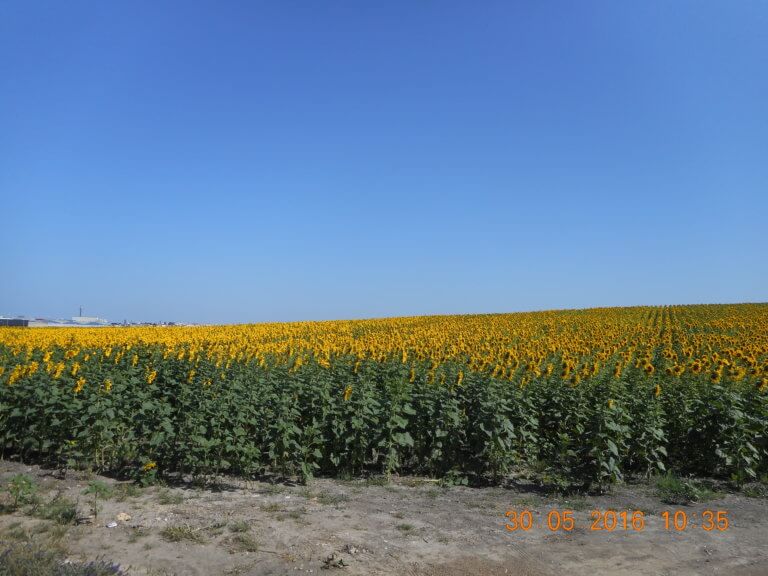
405 526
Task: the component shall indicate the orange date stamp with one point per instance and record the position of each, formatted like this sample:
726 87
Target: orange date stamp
612 520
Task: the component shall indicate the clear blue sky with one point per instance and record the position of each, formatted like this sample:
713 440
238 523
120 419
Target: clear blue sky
255 161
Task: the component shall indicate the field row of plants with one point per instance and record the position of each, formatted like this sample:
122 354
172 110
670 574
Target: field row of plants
573 398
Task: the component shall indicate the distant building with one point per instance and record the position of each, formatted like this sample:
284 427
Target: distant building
88 320
18 322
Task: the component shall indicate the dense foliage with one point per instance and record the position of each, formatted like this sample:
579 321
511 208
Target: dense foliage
574 397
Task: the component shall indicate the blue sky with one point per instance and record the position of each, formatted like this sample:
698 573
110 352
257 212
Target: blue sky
260 161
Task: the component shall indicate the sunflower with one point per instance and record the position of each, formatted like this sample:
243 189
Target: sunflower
58 371
649 369
696 367
16 373
79 385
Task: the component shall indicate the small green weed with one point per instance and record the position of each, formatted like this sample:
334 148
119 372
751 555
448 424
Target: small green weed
16 532
526 502
453 478
272 489
239 526
136 533
376 481
415 482
60 509
574 503
331 499
168 497
242 542
216 528
755 490
672 489
127 490
98 490
182 533
23 490
36 560
272 507
296 514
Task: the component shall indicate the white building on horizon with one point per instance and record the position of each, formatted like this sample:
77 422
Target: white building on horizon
88 320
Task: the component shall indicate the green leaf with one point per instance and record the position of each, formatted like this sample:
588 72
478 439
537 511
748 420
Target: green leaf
403 439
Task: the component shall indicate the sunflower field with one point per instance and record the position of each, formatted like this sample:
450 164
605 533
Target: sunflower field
577 397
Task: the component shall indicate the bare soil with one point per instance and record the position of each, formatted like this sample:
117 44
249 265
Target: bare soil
405 526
